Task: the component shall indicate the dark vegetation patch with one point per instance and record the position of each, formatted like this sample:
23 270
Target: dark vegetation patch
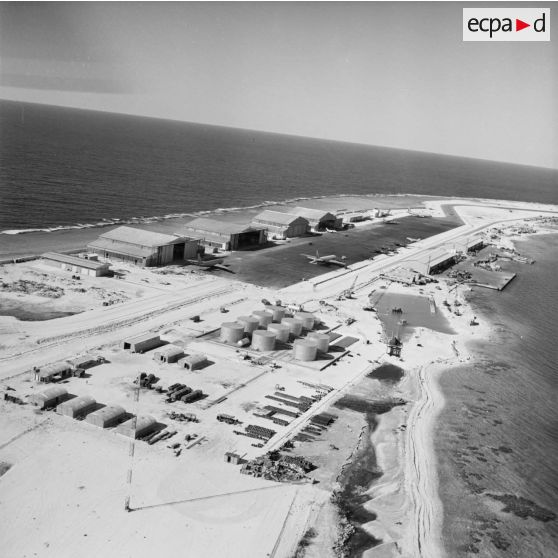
304 542
4 467
523 508
389 373
378 407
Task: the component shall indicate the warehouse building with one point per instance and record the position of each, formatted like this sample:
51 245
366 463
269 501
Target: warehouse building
144 248
434 262
281 225
107 416
74 264
225 236
356 216
77 407
169 354
318 219
142 343
84 362
48 398
193 362
53 372
470 244
137 427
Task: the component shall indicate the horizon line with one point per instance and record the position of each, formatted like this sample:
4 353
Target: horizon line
153 117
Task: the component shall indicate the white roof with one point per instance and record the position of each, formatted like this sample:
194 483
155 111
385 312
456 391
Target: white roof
109 412
217 227
52 369
142 338
313 214
140 237
270 216
78 402
194 358
171 350
50 393
74 260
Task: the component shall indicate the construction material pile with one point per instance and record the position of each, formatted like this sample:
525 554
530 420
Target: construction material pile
280 468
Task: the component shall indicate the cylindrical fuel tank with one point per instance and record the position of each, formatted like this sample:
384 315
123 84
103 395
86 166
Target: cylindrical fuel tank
294 324
320 339
305 350
306 318
278 313
231 332
263 340
250 323
264 317
281 331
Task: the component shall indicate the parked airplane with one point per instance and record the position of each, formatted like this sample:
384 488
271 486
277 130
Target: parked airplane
214 262
325 260
411 239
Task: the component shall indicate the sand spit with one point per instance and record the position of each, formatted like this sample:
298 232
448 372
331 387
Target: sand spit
70 477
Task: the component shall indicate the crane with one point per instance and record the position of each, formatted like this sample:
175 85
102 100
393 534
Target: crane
348 293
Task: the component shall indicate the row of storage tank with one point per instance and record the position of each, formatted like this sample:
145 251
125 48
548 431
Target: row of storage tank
246 330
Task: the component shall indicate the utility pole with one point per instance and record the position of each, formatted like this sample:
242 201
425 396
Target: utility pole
132 449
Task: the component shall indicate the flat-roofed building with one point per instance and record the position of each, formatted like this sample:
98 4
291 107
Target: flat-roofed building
471 244
281 225
355 216
75 264
319 219
433 262
144 248
142 343
225 236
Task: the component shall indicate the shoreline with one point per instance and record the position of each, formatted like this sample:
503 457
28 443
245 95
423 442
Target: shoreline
405 499
491 440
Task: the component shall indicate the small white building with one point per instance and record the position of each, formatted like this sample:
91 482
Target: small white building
81 266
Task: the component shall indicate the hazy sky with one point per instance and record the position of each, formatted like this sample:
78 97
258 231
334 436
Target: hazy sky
394 74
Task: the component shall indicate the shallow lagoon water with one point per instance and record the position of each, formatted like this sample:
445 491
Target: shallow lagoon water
415 312
27 312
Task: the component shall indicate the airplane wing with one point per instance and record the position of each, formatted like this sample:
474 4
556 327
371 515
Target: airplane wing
308 256
337 262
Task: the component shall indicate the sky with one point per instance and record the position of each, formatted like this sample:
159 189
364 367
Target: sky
389 73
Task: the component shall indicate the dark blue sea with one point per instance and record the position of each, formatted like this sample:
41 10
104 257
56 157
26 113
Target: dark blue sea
68 167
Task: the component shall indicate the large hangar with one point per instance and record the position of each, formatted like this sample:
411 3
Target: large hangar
144 248
281 225
225 236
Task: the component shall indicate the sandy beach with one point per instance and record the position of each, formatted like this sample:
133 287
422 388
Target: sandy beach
375 489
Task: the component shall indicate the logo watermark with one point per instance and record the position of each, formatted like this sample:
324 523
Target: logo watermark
506 24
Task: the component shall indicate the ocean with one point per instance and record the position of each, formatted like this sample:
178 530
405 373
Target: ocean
497 436
63 167
66 168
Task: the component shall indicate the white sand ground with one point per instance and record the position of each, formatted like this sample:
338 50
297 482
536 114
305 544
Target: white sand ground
64 494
